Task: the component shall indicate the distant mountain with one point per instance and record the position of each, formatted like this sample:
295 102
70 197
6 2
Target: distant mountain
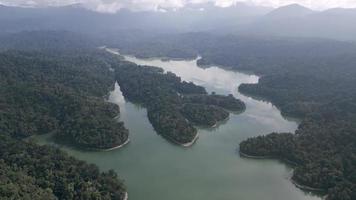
297 21
207 17
292 21
289 11
200 17
46 40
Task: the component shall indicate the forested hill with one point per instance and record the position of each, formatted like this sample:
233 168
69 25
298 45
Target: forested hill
62 91
173 106
324 145
262 55
51 82
64 95
29 171
46 40
312 79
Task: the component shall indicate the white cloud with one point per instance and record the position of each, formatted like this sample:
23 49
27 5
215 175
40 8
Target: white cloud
114 5
107 7
314 4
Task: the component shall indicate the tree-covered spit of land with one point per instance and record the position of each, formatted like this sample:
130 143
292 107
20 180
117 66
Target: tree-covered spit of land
65 82
312 79
29 171
173 105
45 89
64 96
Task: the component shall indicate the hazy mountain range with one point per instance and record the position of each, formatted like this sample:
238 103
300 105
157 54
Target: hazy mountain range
293 20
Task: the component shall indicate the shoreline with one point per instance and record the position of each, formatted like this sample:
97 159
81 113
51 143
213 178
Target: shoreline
220 122
173 141
116 147
268 157
116 51
307 188
217 124
73 145
287 116
255 157
189 144
126 197
298 185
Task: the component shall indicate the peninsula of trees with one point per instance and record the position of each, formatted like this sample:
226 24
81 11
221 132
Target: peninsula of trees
53 83
44 89
29 171
312 79
64 95
173 105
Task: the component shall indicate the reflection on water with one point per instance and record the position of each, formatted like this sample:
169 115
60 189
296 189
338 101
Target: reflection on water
224 82
155 169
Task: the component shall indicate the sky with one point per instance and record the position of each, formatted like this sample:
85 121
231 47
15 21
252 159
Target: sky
112 6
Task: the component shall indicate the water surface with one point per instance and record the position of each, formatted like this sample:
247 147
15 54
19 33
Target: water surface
155 169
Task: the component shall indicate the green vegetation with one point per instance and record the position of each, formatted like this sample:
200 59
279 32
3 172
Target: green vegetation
322 93
169 101
170 123
313 79
202 114
323 154
61 94
29 171
64 95
64 81
55 84
227 102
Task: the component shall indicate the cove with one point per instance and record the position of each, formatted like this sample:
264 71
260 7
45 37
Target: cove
155 169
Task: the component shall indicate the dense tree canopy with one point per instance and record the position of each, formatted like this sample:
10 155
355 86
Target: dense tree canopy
29 171
173 105
312 79
202 114
321 92
64 95
308 78
64 81
44 89
227 102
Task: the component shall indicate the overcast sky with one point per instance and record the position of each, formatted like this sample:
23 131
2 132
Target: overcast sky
114 5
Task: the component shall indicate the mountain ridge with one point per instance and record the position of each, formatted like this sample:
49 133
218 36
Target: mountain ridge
291 21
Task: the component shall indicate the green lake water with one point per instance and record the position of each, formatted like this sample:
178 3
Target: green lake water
155 169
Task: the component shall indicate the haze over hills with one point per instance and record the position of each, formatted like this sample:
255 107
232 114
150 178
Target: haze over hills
290 21
176 71
288 12
299 21
77 18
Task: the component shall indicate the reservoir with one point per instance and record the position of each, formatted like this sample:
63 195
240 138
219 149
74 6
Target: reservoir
155 169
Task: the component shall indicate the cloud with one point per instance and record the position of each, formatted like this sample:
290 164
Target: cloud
112 6
314 4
